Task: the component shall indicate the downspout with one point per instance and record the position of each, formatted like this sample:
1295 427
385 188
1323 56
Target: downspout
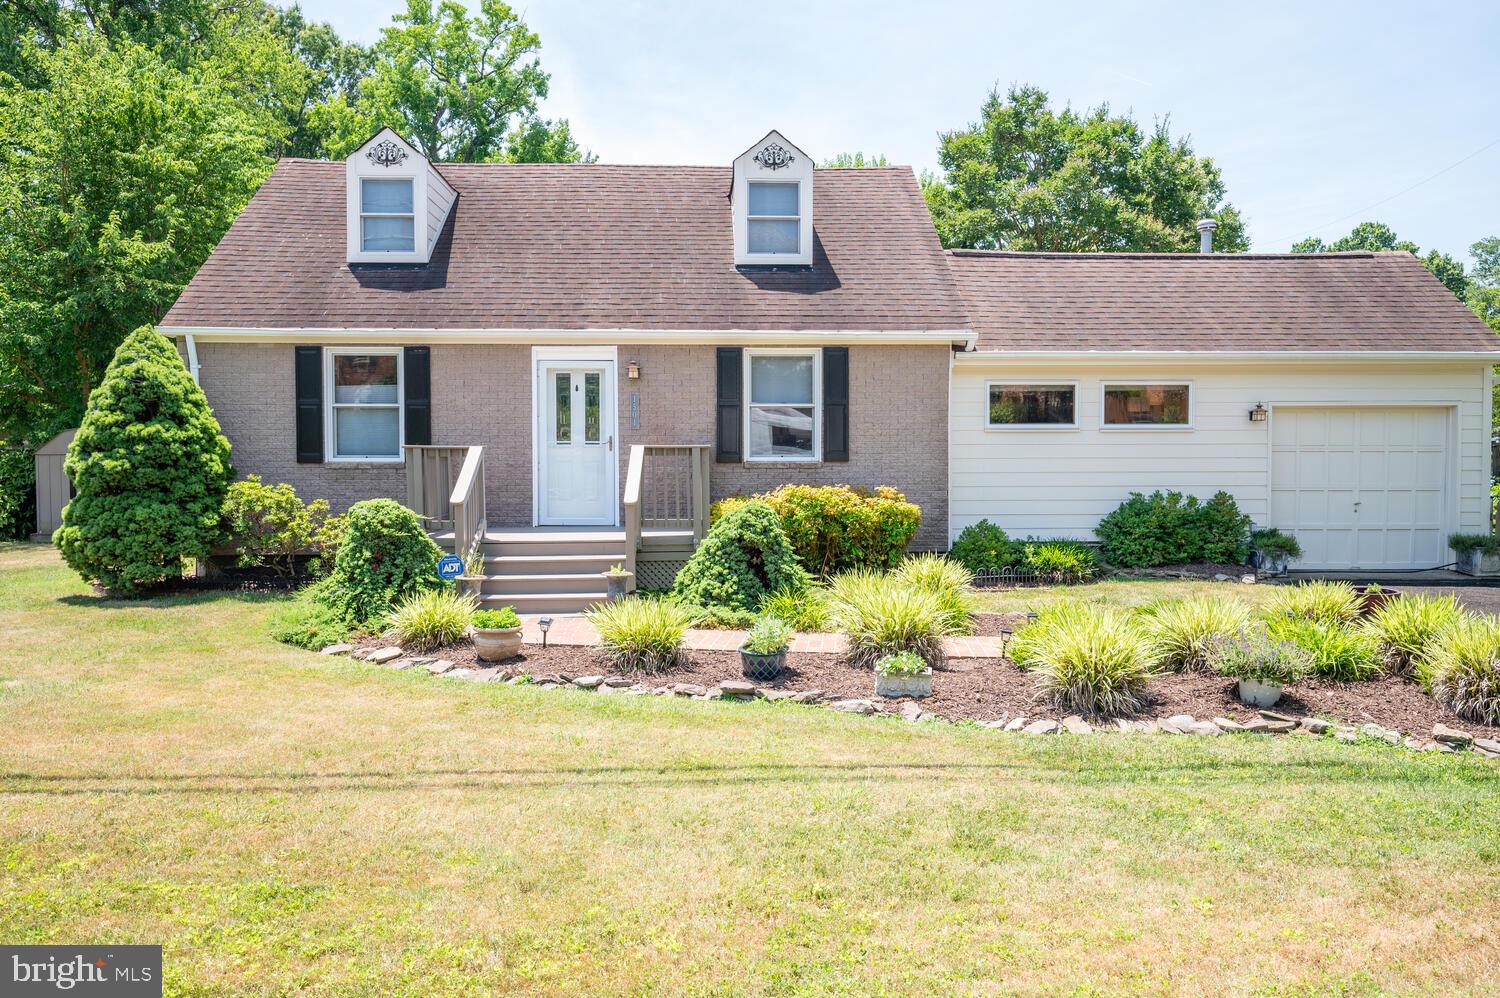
192 352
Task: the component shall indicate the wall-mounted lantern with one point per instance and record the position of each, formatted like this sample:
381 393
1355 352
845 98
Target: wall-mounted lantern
633 371
1259 413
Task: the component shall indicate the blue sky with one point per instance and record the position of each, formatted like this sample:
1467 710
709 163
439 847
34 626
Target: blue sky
1316 111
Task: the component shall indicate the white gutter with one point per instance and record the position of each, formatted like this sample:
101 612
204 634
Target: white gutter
192 352
1160 357
753 337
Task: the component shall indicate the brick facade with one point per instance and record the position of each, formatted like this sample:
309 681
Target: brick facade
898 429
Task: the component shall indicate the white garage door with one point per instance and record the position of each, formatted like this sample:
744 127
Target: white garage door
1362 488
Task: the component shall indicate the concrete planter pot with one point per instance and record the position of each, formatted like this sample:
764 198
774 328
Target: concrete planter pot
1476 562
617 584
494 644
1271 563
1259 694
919 685
762 668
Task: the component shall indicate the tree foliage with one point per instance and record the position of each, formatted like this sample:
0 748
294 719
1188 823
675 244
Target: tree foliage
1484 282
855 161
150 469
1028 177
1377 237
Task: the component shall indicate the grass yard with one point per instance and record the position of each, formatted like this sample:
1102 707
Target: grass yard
288 823
1128 593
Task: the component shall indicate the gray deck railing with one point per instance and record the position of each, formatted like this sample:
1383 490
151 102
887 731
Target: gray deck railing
445 486
666 489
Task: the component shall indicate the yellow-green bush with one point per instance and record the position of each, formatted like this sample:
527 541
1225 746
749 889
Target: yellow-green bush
833 528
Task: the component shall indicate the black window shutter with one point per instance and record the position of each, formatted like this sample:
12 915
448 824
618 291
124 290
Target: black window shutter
835 403
727 446
417 377
309 371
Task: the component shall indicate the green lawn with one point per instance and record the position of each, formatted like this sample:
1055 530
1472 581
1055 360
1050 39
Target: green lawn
1130 593
288 823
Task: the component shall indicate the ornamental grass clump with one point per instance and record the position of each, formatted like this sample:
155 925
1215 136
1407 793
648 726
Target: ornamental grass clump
1321 602
879 615
1337 651
427 620
641 633
805 611
949 582
1093 661
1404 629
1184 633
1060 559
1462 669
1029 641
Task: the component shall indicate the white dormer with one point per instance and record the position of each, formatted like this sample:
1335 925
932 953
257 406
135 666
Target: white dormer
772 204
396 202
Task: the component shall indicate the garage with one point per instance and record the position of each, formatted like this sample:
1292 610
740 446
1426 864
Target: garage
1363 488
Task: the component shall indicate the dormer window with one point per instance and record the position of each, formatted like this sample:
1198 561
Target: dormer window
771 201
387 223
774 217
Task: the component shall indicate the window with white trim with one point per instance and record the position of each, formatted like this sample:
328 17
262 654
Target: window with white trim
387 216
783 396
364 404
1147 405
774 219
1028 405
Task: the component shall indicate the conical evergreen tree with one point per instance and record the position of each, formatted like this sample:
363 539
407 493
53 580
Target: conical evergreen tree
149 468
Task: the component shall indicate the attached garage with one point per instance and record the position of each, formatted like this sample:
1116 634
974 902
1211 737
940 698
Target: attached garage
1364 487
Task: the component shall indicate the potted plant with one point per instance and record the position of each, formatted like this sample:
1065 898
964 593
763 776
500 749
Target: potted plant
1262 666
1374 596
497 634
1270 550
903 674
617 581
763 652
1478 554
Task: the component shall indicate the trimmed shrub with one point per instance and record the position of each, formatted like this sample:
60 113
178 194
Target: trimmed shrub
744 558
1061 558
640 633
1166 528
1323 602
837 527
902 663
983 547
950 583
308 620
386 556
1405 628
1184 633
1256 656
805 611
431 619
1462 669
1337 651
269 525
879 616
768 636
17 491
1092 660
150 469
496 620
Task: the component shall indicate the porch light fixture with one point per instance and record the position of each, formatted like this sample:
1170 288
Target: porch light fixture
633 371
546 625
1258 414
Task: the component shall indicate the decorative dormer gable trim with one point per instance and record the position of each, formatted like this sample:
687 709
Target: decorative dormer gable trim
771 201
396 202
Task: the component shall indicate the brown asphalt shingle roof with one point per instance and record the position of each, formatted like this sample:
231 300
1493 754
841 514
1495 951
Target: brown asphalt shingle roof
579 247
1212 302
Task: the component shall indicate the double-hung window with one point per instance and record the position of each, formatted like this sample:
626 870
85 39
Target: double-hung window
364 404
774 221
387 219
1143 406
1021 406
783 391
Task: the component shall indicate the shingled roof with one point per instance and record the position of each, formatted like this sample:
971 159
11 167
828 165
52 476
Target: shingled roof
585 246
1218 302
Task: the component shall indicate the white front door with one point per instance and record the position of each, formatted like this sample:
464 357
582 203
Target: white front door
1362 488
577 481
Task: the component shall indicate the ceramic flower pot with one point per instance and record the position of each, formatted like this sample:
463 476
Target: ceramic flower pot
918 685
494 644
1259 694
762 668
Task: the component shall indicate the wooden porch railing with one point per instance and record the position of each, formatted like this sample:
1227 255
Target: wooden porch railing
445 486
666 489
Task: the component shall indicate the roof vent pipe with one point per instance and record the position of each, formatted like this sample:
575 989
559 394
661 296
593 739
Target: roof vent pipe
1206 229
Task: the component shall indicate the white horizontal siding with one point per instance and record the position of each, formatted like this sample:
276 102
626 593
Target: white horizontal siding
1061 482
439 200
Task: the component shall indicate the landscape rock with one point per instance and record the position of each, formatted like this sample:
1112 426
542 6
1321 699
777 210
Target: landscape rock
1220 577
998 723
1225 724
737 688
548 678
1016 724
588 682
606 688
545 686
458 673
809 696
1042 727
342 648
1124 726
1489 746
1261 725
438 666
1248 580
775 695
486 675
382 655
402 664
688 689
637 690
1204 728
1272 715
1147 727
1384 734
1346 735
618 682
852 706
910 711
1316 725
1451 736
1076 725
1178 724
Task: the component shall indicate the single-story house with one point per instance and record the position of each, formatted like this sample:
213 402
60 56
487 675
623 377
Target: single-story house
564 364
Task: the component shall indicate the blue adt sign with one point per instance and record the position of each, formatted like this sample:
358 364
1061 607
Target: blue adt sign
450 566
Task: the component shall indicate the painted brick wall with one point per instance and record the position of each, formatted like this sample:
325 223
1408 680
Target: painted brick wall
898 409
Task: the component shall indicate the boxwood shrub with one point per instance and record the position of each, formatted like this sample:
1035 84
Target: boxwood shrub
1167 528
837 527
744 559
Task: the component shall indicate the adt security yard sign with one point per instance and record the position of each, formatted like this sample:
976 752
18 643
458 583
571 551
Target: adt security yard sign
450 566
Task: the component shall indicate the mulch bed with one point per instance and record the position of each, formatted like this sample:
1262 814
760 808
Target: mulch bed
983 689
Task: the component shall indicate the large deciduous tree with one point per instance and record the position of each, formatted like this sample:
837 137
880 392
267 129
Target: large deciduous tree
461 89
1484 282
1028 177
1376 237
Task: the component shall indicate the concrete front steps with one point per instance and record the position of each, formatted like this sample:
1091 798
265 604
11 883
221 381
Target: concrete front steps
557 570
